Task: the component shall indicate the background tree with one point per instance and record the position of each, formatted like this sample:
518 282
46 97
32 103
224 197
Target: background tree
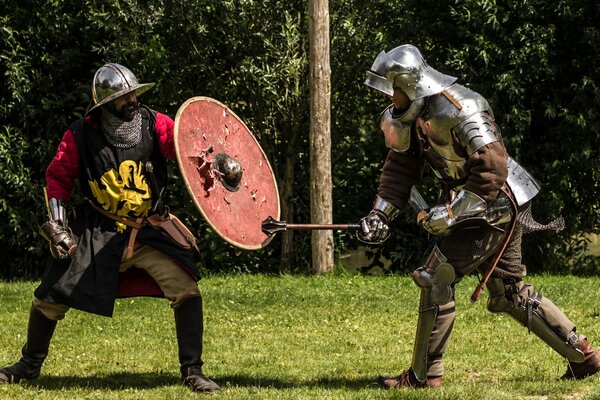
320 135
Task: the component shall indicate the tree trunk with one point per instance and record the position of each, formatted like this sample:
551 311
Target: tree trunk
287 206
320 137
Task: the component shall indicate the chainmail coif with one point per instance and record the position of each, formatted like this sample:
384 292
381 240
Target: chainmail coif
119 133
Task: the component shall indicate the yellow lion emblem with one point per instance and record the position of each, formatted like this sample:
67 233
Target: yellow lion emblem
124 193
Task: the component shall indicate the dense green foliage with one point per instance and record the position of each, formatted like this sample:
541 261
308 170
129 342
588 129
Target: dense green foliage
299 338
536 62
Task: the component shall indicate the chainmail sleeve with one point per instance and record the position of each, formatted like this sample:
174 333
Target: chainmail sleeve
400 173
487 171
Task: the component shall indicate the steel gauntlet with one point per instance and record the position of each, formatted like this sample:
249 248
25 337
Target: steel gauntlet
374 227
440 220
57 232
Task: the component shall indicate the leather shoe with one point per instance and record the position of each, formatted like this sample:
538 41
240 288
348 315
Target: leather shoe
589 366
198 382
407 379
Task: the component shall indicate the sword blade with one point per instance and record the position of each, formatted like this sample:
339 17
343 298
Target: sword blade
416 201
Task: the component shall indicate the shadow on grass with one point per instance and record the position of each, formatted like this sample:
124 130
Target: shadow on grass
116 381
150 380
269 382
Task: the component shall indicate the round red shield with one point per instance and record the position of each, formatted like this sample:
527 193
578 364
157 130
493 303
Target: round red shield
226 172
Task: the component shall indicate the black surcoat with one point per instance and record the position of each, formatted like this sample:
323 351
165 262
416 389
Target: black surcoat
91 281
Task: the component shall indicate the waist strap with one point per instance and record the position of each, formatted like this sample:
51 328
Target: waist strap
135 225
169 225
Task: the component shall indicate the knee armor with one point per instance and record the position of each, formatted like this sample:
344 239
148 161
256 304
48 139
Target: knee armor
437 275
436 281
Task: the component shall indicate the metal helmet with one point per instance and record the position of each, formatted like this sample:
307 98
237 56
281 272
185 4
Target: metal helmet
404 67
112 81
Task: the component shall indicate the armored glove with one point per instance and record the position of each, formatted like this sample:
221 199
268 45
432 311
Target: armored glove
57 232
440 220
62 244
374 227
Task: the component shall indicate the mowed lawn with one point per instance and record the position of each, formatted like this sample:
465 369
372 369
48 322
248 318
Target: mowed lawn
299 337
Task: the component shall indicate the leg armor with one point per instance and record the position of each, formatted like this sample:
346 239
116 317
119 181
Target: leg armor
436 314
538 314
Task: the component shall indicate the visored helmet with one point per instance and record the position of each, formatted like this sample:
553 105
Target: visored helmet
404 67
112 81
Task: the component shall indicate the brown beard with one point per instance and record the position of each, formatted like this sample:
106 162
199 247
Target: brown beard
128 111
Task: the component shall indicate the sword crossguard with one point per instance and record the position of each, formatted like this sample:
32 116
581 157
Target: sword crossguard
271 226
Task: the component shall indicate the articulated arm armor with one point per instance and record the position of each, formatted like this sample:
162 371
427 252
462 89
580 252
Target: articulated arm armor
57 232
463 119
455 118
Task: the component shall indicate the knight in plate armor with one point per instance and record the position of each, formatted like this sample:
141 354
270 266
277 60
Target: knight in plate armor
483 210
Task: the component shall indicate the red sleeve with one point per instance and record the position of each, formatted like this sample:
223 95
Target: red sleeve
164 130
63 169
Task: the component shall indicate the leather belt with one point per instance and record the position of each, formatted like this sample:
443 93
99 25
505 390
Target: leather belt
134 223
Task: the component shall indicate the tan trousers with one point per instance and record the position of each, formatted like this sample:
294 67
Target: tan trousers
176 284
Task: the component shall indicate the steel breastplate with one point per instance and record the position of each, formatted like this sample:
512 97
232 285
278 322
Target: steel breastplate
441 152
454 169
453 125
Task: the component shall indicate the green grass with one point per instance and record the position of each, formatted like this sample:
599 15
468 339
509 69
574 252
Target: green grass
296 337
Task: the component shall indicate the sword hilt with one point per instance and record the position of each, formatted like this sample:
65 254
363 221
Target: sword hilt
159 206
270 226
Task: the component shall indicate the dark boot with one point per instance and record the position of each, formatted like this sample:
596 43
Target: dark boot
407 379
589 366
39 333
189 325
